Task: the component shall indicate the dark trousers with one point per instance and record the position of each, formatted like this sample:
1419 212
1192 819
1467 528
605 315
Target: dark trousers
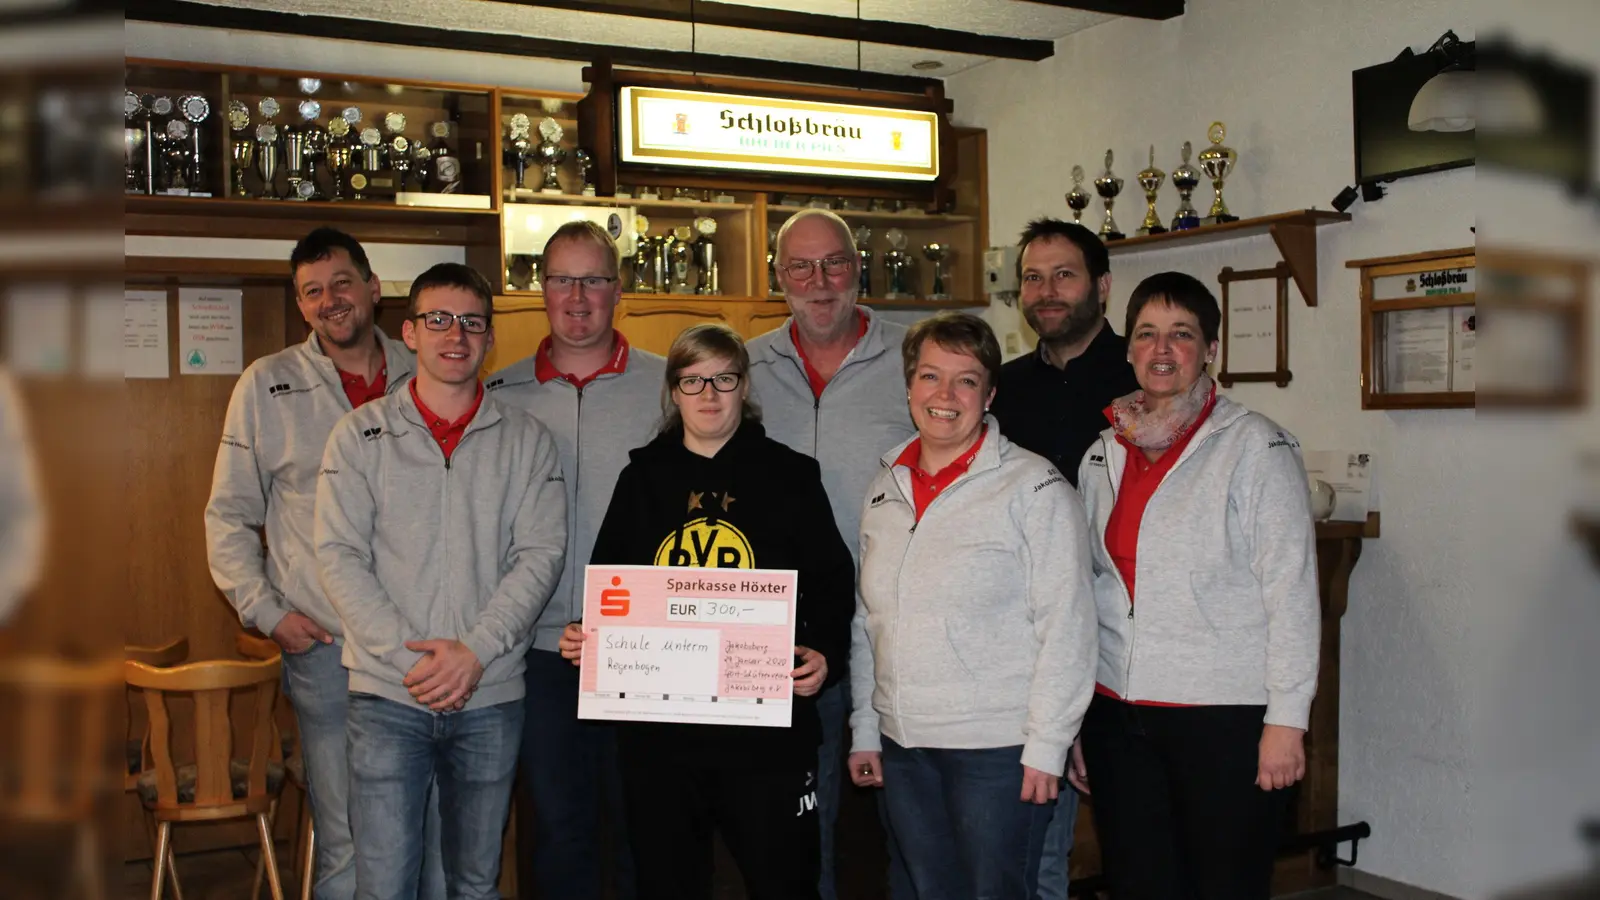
767 819
1175 801
570 819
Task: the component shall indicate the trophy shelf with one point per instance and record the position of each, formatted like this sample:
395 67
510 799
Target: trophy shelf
228 217
514 196
868 217
1295 234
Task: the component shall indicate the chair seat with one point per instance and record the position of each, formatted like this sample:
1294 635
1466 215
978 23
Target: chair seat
134 751
238 773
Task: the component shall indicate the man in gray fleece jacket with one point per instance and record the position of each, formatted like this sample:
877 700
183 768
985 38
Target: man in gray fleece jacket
829 385
441 530
600 398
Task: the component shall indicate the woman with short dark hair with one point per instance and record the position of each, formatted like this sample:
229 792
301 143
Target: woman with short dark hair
972 652
1205 578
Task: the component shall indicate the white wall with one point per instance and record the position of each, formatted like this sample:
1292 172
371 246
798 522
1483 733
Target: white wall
1277 72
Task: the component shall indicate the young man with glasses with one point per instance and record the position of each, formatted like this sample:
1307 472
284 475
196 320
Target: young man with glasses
830 385
440 530
600 398
282 410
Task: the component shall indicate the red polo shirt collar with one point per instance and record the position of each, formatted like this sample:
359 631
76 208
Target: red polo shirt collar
925 487
812 375
447 434
358 391
544 369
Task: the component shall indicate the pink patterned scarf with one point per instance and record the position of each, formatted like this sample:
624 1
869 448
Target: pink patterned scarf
1134 422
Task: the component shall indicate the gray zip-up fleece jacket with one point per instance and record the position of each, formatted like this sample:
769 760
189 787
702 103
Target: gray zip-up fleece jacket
414 547
1227 609
594 428
860 415
975 626
283 408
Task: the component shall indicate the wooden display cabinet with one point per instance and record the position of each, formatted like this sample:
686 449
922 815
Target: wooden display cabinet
1418 330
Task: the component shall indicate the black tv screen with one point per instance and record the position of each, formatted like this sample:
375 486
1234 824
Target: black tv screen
1386 147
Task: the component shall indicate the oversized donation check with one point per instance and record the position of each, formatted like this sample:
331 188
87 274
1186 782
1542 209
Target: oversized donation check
673 644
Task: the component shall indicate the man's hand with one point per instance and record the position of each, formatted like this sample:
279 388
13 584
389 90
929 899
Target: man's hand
446 676
571 643
1077 772
1039 787
866 768
812 672
296 633
1282 760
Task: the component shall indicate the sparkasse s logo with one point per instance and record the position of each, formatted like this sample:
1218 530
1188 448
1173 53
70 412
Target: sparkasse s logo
615 601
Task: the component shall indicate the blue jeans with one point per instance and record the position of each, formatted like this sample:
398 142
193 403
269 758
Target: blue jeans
318 686
833 708
395 752
963 830
1053 877
570 773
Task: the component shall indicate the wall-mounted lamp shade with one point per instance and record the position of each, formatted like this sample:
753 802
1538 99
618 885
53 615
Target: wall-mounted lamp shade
1508 104
1446 103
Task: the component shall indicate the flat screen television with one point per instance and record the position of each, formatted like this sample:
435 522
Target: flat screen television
1386 147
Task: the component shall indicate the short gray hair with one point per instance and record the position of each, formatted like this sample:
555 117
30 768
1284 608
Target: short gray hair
832 217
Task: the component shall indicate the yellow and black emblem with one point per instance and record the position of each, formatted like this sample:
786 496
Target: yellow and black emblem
706 545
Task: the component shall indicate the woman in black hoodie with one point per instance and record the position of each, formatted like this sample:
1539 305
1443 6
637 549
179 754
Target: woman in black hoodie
713 491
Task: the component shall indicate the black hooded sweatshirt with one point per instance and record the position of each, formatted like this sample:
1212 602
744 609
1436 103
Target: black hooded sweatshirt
756 504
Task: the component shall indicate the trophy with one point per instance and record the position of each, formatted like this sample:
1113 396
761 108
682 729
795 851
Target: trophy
897 265
446 165
1108 186
398 150
1150 180
422 158
937 254
1217 161
132 143
243 149
195 109
585 166
551 155
705 256
310 85
267 159
519 146
681 255
175 157
340 153
294 153
371 154
863 234
642 261
1077 198
1185 178
772 263
315 143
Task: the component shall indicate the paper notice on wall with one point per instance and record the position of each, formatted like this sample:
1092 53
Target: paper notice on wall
144 335
1463 347
1418 351
1252 337
1350 475
210 331
39 322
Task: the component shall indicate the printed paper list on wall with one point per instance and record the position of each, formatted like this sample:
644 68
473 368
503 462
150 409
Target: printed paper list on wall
144 334
211 339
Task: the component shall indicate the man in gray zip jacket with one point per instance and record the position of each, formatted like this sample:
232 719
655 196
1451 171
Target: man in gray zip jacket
830 385
440 530
278 421
600 398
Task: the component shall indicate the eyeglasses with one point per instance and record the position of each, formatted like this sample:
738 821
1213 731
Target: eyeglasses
723 382
439 320
562 284
801 269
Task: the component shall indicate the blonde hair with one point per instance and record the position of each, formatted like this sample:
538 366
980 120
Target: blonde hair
584 231
697 343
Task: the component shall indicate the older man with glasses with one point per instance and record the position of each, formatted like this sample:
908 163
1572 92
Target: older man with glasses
830 386
600 398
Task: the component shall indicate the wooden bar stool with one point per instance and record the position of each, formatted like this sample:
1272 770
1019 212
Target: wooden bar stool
57 760
250 646
217 785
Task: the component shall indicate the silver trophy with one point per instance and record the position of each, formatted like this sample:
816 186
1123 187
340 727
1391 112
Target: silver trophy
195 109
863 234
772 262
1150 179
1108 186
897 266
938 254
446 165
1217 161
550 155
1186 178
681 254
1077 198
241 147
705 256
519 146
340 154
315 143
294 155
643 262
585 169
267 159
398 150
133 138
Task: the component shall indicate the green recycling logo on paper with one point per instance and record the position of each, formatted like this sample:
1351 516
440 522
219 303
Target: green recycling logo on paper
197 359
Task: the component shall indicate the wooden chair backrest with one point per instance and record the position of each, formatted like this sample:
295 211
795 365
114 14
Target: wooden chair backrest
211 684
250 646
164 656
56 762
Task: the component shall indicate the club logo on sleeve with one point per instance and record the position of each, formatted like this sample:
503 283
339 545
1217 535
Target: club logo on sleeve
373 433
705 544
878 500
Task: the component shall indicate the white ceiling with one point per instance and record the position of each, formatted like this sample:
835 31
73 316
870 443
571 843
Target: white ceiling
1004 18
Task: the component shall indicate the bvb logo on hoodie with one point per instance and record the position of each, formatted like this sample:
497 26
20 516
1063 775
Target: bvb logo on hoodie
706 543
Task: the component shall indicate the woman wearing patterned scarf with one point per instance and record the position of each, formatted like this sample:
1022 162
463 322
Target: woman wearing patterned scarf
1206 586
